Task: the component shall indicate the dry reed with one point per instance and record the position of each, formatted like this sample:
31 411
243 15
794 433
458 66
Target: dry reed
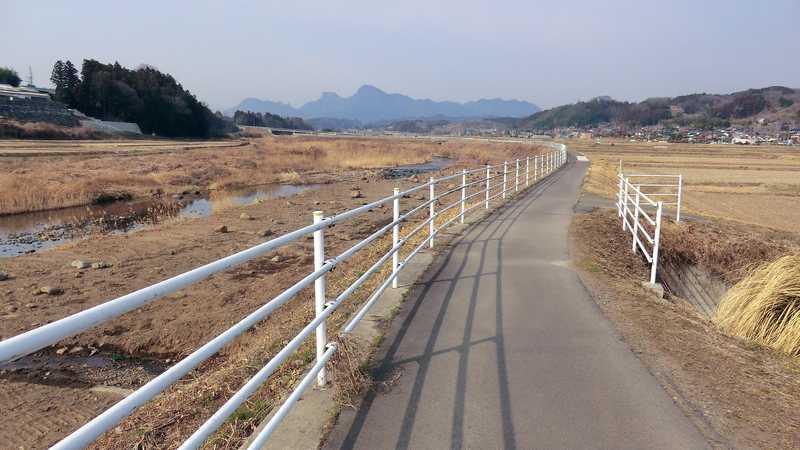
765 306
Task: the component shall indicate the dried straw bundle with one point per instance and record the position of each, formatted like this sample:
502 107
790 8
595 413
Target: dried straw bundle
765 306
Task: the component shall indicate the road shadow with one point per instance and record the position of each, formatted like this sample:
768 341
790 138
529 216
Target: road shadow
490 230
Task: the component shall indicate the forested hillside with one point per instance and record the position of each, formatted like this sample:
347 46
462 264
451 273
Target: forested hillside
695 110
146 96
255 119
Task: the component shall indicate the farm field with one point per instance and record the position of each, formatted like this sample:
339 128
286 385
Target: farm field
757 185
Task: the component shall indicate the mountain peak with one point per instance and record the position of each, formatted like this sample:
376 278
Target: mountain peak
370 104
369 89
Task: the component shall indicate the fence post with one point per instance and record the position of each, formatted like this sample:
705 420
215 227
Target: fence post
680 188
319 294
463 193
488 186
527 170
395 236
535 168
625 205
505 177
431 226
656 240
636 219
619 194
516 177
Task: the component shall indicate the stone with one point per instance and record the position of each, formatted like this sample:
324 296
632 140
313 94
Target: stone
657 289
80 264
3 275
51 290
100 265
245 216
74 350
221 229
61 351
266 232
356 193
276 259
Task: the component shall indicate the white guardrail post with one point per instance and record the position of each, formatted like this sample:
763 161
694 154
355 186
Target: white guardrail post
536 168
488 183
463 193
516 177
625 205
527 170
505 178
636 219
395 236
619 194
680 189
431 225
319 294
656 241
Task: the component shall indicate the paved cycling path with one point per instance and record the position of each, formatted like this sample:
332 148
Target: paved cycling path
501 346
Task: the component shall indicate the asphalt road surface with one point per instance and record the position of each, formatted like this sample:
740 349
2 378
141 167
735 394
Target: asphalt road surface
501 346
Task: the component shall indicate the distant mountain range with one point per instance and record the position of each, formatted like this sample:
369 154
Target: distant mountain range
370 104
774 103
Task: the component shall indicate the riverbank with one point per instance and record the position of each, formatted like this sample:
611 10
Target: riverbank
48 176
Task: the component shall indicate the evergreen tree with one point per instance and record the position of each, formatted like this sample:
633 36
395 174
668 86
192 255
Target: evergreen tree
57 76
9 76
71 84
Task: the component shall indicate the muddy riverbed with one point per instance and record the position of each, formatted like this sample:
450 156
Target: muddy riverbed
31 232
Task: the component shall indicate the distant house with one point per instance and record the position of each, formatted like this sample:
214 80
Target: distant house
743 140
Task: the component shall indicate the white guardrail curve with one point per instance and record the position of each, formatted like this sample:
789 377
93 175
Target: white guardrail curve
536 168
641 214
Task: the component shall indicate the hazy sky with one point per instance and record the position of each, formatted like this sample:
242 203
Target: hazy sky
549 53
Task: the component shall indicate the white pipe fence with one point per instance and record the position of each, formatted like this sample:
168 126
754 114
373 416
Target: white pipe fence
41 337
641 214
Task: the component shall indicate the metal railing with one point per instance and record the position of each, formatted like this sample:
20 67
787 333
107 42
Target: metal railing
41 337
641 215
665 187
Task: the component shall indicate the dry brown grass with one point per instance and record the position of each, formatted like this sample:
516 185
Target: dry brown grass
726 249
758 185
42 130
140 168
765 306
350 371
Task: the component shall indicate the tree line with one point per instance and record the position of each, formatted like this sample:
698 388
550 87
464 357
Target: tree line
255 119
152 99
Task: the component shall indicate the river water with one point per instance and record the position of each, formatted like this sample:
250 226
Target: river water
29 232
36 231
